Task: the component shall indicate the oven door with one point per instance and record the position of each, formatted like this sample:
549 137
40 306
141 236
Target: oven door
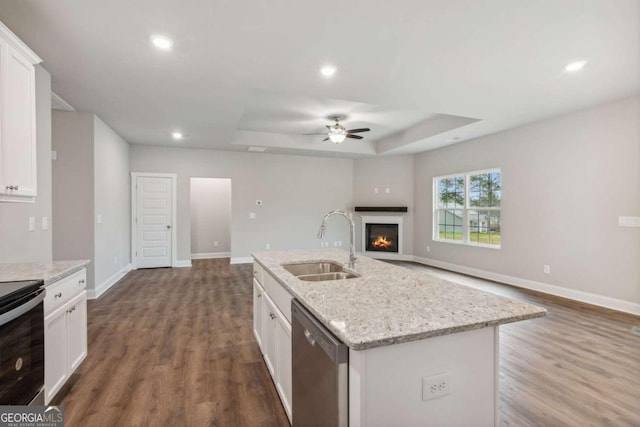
22 350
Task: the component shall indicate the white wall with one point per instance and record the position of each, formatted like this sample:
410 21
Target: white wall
17 243
210 216
393 173
296 192
112 201
565 182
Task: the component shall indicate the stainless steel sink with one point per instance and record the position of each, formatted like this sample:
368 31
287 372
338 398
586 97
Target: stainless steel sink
319 271
327 276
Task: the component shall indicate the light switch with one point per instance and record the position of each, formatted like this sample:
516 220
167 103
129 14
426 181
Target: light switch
45 223
32 223
387 190
99 219
629 221
54 155
252 215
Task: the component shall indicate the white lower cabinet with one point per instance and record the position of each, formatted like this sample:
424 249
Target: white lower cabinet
274 336
65 331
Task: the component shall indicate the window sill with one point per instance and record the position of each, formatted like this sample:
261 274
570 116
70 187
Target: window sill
475 245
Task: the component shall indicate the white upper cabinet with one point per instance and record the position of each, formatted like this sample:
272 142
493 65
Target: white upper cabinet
18 160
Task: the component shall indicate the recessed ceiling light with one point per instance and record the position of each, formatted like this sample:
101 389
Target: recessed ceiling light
177 135
258 149
162 42
572 67
328 70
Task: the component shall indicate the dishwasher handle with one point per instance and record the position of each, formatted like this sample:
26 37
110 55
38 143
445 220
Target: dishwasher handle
317 334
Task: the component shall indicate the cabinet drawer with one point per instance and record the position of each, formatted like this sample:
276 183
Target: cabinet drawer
258 273
280 296
60 292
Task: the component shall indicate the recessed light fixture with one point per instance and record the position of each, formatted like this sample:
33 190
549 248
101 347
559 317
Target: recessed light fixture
258 149
328 70
162 42
177 135
574 66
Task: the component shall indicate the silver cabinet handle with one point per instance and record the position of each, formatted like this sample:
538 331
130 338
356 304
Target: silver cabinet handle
81 281
273 316
309 336
58 295
15 187
11 187
259 295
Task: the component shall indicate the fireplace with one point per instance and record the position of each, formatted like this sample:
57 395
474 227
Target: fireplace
382 236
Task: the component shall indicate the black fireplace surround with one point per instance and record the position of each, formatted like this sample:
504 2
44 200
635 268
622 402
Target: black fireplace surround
381 237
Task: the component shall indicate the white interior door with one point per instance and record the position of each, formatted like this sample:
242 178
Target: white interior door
153 221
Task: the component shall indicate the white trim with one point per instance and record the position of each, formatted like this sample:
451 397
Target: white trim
18 44
107 284
174 216
573 294
242 260
57 103
381 219
211 255
183 263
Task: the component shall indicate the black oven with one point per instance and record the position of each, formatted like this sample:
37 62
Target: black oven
22 343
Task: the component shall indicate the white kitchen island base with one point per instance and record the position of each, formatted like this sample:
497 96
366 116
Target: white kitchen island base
386 387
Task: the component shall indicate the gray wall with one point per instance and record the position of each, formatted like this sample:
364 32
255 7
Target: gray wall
296 192
210 215
90 177
73 186
112 201
394 173
565 182
17 243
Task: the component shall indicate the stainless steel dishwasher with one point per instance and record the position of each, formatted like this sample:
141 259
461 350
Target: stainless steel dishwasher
320 373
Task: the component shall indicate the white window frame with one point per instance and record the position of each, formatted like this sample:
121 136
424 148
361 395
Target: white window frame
465 209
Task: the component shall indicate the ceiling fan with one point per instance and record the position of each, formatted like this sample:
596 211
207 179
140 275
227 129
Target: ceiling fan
337 133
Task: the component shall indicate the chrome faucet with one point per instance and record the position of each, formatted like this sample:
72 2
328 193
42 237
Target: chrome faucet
349 216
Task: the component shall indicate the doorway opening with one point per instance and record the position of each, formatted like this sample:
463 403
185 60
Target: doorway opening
210 218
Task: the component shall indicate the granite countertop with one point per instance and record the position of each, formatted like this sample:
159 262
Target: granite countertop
50 272
389 304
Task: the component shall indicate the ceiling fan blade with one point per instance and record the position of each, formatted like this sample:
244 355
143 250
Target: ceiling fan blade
316 133
326 139
354 136
358 130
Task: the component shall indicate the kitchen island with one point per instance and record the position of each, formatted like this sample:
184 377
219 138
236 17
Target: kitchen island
404 329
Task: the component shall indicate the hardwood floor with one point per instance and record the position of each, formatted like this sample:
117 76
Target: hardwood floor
175 347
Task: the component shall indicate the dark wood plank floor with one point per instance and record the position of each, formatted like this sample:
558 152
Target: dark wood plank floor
175 347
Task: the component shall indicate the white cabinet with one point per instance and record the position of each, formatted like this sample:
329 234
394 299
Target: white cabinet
257 311
274 331
65 333
18 161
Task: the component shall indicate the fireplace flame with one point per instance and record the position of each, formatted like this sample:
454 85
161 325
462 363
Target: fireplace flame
382 242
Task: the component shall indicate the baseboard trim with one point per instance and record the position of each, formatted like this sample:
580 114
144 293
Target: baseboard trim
573 294
242 260
182 263
107 284
211 255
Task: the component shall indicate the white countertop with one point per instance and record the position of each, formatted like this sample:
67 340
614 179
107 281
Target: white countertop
389 304
50 272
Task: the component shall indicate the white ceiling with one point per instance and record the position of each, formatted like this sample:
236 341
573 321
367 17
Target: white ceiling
417 72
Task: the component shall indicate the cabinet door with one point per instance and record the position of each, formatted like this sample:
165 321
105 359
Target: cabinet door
18 138
269 333
77 331
55 352
283 363
257 311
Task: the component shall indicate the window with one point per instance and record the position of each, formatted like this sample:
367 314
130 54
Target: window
467 208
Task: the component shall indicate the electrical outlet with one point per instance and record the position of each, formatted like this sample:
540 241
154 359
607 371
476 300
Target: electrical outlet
547 269
387 190
45 223
252 215
436 386
428 248
32 223
268 246
115 260
215 243
376 190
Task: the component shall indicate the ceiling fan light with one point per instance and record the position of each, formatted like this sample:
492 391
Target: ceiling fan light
337 138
